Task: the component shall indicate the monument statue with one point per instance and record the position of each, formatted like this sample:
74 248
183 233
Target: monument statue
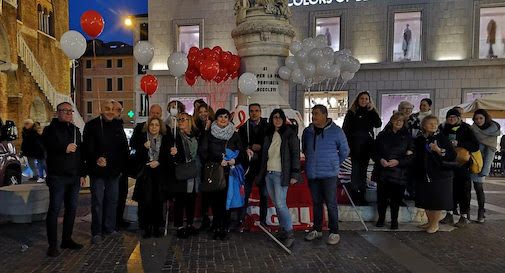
275 7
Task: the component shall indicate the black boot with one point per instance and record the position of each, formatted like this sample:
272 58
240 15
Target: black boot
481 200
148 232
290 239
380 222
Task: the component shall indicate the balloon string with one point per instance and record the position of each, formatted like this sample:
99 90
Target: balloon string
335 85
73 96
176 106
94 66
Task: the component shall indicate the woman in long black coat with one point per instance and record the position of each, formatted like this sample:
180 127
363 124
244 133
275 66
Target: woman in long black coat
434 155
394 154
212 148
149 186
358 127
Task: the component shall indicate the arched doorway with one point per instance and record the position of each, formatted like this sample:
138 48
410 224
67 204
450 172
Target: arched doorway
38 111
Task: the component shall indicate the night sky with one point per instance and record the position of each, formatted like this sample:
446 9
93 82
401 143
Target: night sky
113 12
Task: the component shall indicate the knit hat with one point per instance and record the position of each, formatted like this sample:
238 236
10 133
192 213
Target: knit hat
453 112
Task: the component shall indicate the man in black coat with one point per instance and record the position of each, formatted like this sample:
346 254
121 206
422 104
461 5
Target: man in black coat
65 175
252 136
106 154
461 136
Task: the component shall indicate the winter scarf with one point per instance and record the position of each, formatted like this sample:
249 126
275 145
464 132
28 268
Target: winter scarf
154 150
222 133
489 135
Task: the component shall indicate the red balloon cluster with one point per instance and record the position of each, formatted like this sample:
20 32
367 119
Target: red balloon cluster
211 64
149 84
92 23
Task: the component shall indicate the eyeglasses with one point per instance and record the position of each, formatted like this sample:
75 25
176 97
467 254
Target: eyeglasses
182 119
66 111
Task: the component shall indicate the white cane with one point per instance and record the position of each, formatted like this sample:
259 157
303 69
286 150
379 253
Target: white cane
355 209
275 239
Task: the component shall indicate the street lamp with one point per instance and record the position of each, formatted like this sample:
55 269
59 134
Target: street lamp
128 22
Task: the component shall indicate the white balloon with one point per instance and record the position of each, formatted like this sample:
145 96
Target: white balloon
323 68
318 79
309 70
284 72
178 64
316 55
350 64
321 41
143 52
291 62
328 52
347 76
73 44
297 76
334 71
248 83
295 47
308 43
346 51
308 82
302 56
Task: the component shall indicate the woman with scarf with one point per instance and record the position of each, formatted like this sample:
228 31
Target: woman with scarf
414 121
212 149
433 175
486 130
184 155
358 127
149 185
394 153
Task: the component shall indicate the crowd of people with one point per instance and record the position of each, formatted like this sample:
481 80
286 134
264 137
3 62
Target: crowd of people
202 154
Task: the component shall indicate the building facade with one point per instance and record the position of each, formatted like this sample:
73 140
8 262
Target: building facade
449 50
105 72
34 72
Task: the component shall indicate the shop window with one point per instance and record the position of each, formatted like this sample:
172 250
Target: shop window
330 27
119 84
389 103
492 33
89 85
407 36
336 102
109 84
188 36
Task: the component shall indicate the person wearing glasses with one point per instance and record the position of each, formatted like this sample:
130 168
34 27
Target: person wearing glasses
65 176
183 152
106 150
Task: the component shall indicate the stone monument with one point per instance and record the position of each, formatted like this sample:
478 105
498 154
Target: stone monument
262 38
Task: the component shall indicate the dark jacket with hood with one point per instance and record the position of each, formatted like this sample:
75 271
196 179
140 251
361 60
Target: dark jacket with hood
461 132
390 145
290 156
32 144
105 139
56 137
256 136
358 127
325 149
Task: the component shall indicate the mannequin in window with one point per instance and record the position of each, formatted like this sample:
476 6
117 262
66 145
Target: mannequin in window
407 37
328 36
491 38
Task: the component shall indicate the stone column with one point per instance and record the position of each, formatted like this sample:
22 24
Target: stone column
262 38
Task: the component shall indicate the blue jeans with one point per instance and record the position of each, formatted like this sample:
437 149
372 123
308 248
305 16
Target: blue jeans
324 191
104 196
61 190
278 194
42 167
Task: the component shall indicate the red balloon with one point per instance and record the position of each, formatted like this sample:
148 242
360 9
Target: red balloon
192 58
225 59
190 80
209 69
222 72
218 79
149 84
192 72
198 64
234 75
206 52
218 50
193 50
234 64
92 23
225 78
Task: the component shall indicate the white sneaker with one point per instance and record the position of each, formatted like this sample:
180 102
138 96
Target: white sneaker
313 235
41 180
333 239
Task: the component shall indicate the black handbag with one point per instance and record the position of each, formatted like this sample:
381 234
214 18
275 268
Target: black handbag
214 178
185 171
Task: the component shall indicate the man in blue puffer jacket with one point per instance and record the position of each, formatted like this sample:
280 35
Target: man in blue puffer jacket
325 147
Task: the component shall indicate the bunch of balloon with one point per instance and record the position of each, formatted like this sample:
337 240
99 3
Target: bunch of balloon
211 64
143 51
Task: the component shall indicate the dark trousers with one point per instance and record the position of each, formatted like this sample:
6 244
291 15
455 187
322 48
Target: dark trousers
184 203
121 201
358 173
205 204
104 196
481 198
462 188
151 213
324 191
392 194
249 184
221 216
61 190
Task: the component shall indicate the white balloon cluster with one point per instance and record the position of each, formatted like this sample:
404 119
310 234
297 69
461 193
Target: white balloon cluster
314 62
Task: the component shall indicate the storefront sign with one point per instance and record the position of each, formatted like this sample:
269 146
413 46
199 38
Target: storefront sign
298 3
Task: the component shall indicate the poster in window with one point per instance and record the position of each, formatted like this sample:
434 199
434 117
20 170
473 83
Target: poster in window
407 37
492 33
330 27
189 36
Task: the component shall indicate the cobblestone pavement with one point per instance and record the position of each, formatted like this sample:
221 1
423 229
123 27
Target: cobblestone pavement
476 248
